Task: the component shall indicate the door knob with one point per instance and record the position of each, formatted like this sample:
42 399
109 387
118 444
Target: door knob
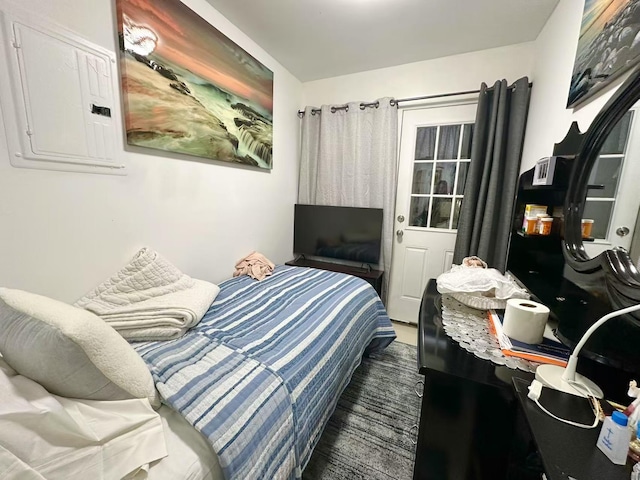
622 231
399 233
400 218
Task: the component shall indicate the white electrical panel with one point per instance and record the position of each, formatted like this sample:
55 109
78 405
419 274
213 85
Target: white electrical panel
59 100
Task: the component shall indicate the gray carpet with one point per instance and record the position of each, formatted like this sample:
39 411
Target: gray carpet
367 437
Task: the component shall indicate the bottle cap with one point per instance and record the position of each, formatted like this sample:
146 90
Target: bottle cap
620 418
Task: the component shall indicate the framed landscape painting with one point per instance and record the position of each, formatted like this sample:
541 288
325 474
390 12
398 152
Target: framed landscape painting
609 45
188 89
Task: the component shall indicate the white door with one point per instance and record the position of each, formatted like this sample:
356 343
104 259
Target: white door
614 208
435 146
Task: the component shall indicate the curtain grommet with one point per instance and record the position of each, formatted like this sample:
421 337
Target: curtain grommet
362 106
333 109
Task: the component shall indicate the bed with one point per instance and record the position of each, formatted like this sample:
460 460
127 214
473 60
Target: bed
261 374
258 378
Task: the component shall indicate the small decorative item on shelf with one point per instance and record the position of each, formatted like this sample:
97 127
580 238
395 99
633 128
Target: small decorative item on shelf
539 218
587 226
544 171
531 212
544 225
531 224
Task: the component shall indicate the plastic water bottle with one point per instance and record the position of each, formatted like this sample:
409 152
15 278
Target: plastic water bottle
614 438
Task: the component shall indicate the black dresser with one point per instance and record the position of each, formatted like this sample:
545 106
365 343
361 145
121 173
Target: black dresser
469 407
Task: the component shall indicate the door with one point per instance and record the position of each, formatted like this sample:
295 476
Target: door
614 204
435 146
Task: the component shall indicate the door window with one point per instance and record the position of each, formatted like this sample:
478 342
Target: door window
440 167
605 179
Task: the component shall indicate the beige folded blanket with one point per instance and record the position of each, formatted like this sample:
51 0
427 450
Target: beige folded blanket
255 265
150 299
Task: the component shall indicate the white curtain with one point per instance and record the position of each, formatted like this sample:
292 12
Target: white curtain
349 158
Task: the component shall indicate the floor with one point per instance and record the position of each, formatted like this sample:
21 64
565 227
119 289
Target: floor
406 332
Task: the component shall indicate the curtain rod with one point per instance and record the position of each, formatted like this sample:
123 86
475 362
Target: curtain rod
394 101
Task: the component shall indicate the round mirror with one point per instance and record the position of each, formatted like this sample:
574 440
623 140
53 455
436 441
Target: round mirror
612 200
603 198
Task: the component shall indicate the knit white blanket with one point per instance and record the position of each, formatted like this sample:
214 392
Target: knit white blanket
150 299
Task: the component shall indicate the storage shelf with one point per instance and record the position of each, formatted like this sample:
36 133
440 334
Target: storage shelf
539 237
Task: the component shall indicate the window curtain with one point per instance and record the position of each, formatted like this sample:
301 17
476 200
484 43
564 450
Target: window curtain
490 189
349 159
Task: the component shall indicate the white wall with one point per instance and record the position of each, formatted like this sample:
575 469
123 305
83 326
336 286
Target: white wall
442 75
555 50
62 233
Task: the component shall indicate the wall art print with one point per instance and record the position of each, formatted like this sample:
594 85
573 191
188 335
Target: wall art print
609 45
189 89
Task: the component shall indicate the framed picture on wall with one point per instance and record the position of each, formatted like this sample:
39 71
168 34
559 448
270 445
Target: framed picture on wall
608 46
189 89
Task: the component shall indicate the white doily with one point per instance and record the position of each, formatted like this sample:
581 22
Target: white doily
469 327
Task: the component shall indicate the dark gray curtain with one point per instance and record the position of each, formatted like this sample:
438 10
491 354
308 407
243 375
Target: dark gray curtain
490 189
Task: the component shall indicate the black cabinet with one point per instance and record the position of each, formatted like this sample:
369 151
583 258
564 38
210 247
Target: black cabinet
468 412
374 277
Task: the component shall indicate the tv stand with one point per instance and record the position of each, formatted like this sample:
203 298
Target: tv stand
374 277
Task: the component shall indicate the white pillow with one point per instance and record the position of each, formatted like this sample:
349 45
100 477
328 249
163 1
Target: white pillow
70 351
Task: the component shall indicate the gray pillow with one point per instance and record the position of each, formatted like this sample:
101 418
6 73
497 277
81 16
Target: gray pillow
70 351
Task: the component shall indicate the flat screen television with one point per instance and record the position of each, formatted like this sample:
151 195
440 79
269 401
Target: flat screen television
345 233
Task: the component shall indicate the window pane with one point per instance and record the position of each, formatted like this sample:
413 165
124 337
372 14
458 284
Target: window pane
441 212
467 137
419 211
462 177
426 143
600 212
456 212
617 139
448 142
445 176
606 171
422 173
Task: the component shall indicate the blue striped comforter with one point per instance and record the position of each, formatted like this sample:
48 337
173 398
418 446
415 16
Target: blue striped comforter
261 374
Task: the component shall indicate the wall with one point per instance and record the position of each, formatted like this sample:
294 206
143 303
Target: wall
448 74
62 233
555 50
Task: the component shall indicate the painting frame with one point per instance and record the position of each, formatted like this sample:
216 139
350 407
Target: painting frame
608 47
189 89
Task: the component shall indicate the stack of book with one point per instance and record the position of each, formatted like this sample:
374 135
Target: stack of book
550 350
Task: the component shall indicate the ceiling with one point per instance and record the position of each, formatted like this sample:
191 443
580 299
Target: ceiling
316 39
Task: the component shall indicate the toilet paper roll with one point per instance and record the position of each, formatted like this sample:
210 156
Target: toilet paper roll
525 320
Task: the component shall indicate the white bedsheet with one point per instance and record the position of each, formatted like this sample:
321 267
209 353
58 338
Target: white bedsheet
47 436
190 454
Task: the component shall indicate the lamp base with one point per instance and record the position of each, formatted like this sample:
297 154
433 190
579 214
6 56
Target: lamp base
551 376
